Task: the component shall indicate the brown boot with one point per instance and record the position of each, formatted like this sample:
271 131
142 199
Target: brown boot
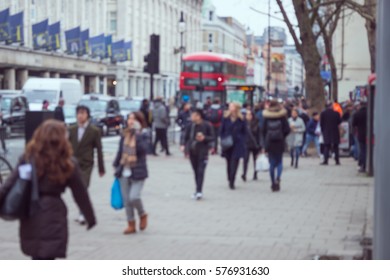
131 228
143 222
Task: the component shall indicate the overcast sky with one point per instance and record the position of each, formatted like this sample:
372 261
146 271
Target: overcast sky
240 9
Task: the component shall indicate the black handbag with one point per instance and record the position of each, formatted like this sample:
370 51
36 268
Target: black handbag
22 199
227 142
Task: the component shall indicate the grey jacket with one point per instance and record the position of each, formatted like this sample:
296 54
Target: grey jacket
160 115
295 138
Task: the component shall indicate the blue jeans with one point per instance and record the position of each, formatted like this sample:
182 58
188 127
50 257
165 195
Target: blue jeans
310 139
275 162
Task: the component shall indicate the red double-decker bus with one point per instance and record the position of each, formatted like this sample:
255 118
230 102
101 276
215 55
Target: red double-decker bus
216 70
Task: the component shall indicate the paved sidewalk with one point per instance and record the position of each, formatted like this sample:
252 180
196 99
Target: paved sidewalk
320 210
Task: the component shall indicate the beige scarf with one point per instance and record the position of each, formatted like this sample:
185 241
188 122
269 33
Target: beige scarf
129 154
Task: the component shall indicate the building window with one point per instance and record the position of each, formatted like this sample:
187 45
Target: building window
210 38
113 21
211 15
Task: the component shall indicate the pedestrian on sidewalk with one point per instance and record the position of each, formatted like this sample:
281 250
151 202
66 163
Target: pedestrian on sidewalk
233 137
184 118
59 111
359 124
295 138
276 129
330 121
197 141
214 115
131 169
44 234
253 143
161 124
85 138
311 135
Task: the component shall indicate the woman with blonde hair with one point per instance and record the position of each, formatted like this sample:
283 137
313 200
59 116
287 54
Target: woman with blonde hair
44 234
131 169
233 140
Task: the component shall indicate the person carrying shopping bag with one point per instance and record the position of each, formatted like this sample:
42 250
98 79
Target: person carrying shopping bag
44 233
131 169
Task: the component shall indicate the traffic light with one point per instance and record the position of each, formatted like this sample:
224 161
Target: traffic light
147 61
153 58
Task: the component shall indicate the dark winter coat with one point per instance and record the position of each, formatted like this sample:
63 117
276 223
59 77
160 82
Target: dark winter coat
360 123
183 119
253 136
311 127
45 235
59 114
238 130
275 147
330 121
84 150
140 170
200 149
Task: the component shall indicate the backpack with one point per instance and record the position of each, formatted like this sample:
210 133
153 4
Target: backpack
274 130
214 115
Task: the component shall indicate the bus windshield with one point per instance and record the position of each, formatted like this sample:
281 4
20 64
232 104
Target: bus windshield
207 67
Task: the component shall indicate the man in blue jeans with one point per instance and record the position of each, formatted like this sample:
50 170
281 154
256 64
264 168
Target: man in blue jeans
311 136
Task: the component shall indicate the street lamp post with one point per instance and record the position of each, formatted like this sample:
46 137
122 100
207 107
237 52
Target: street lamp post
182 29
269 49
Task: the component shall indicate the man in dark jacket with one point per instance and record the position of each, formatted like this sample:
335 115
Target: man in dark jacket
146 112
275 131
330 121
85 138
359 123
161 124
197 141
214 116
59 111
311 135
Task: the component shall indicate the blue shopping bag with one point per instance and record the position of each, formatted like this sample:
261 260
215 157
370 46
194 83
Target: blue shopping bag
116 195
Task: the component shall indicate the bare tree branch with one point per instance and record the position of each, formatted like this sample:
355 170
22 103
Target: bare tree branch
290 27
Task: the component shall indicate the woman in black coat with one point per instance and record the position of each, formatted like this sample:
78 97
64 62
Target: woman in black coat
131 169
253 142
233 130
44 234
276 129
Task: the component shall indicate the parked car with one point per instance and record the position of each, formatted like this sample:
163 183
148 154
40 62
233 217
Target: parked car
13 112
128 106
37 90
70 115
105 112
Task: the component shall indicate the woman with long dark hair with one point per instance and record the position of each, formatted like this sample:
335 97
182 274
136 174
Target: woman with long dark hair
131 169
253 143
44 235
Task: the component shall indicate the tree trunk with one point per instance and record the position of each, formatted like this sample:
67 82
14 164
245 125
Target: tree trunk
311 57
371 31
333 68
371 35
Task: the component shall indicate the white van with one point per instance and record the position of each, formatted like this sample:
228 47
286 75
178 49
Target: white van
37 90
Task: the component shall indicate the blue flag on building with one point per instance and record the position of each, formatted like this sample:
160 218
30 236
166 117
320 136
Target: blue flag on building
73 42
4 26
54 36
40 35
84 41
129 50
97 45
118 51
108 42
16 34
